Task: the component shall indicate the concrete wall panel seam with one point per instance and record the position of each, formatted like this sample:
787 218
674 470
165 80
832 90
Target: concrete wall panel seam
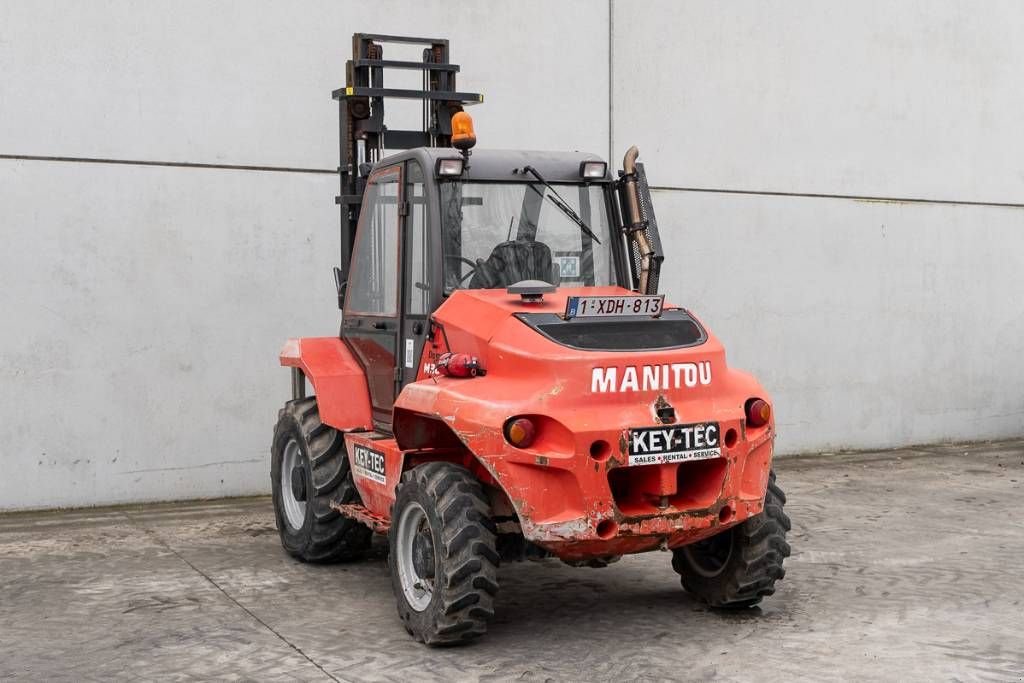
853 197
169 164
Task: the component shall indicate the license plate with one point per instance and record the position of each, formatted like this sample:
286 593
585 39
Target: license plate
674 443
606 306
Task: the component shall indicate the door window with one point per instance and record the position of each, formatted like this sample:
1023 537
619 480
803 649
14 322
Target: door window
373 277
420 286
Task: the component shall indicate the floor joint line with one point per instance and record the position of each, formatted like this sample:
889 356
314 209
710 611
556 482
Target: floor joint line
153 534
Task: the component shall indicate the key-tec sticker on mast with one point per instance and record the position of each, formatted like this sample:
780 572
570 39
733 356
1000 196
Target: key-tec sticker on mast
650 377
675 443
369 464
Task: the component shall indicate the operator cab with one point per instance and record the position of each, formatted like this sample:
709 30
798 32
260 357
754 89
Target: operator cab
424 222
434 221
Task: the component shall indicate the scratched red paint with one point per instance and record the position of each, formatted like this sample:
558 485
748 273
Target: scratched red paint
560 493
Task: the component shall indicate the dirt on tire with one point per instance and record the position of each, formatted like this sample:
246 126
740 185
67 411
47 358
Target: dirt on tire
326 535
465 559
740 566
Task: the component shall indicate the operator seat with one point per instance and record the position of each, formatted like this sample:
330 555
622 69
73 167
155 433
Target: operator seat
511 262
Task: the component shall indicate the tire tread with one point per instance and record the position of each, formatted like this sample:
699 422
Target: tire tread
469 561
759 550
331 536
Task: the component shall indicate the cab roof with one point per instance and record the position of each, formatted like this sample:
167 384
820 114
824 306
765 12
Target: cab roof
502 164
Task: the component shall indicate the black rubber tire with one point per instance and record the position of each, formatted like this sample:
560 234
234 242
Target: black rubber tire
326 535
465 559
753 554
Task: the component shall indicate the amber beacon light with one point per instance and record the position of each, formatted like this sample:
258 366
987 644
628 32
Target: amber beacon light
463 136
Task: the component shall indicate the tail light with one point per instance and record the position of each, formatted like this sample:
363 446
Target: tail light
758 412
520 432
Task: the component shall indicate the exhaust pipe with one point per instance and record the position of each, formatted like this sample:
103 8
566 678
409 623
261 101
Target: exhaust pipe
637 226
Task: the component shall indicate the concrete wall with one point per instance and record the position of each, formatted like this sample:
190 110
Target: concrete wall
874 321
143 306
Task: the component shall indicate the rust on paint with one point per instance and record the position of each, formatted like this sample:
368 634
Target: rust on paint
623 442
379 524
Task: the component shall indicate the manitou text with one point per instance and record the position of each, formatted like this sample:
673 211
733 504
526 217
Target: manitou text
650 377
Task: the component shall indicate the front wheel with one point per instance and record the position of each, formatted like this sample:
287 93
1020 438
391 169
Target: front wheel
443 560
309 470
739 567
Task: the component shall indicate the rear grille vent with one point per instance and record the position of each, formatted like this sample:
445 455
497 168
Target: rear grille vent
673 330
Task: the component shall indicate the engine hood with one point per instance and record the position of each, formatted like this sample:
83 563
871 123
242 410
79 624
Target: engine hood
530 369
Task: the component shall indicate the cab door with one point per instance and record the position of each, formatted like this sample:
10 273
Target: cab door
371 321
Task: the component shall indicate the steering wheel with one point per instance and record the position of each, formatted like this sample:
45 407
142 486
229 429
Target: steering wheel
469 262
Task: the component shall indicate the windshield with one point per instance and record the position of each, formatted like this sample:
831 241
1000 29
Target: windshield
497 234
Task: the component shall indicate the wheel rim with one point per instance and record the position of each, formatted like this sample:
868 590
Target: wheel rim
413 529
709 557
294 509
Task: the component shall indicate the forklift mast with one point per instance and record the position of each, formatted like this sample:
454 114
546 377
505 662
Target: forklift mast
362 131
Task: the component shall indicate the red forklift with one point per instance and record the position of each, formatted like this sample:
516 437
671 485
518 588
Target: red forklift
507 382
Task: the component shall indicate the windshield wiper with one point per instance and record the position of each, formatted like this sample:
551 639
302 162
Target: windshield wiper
557 200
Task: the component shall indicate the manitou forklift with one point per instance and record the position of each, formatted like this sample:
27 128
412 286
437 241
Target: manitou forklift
507 382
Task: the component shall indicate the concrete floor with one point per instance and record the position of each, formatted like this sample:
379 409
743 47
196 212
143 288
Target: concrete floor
906 565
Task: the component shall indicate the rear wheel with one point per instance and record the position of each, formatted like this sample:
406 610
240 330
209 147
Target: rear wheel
739 567
443 559
309 470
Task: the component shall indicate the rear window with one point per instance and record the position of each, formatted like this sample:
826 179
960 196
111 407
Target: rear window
673 330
